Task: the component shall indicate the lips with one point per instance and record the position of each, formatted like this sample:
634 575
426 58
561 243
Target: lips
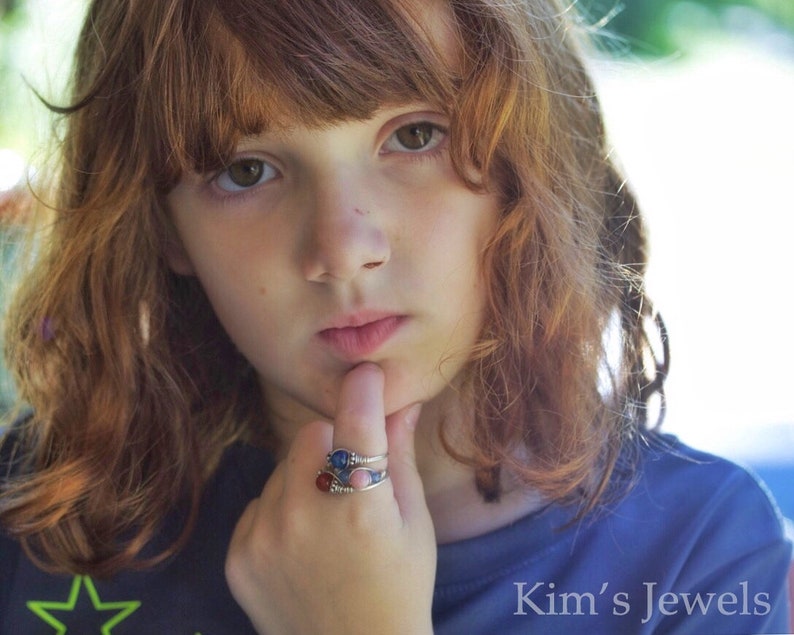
361 334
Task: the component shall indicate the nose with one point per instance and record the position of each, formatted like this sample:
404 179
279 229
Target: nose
345 235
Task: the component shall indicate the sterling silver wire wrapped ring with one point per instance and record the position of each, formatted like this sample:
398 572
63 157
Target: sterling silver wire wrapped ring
359 479
340 459
346 472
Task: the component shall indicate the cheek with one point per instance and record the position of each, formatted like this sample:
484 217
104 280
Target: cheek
239 291
235 267
455 240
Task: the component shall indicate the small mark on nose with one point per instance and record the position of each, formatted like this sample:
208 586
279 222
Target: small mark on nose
361 212
262 291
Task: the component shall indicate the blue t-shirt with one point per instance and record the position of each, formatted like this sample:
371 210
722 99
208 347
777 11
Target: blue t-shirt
695 546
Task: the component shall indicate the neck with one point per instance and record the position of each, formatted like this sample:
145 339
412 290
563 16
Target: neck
457 508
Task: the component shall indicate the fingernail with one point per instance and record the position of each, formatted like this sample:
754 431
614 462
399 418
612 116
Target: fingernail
412 416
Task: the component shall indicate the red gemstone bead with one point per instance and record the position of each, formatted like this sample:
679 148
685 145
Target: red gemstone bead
324 480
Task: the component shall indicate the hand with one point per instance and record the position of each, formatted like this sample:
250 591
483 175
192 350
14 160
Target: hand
306 561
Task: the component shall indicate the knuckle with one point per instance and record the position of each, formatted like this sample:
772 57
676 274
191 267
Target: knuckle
367 520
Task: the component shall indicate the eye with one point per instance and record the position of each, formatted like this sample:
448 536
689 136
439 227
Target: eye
244 174
421 136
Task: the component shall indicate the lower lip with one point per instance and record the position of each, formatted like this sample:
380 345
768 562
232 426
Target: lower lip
358 341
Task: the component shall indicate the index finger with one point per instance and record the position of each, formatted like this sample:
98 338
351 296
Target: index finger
360 422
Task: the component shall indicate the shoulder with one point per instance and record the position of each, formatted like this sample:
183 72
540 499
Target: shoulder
248 466
689 485
11 453
168 595
697 525
694 545
688 501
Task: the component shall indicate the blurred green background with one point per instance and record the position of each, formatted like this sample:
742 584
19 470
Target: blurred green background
668 27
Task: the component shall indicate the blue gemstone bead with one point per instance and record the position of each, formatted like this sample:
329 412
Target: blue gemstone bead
344 476
339 459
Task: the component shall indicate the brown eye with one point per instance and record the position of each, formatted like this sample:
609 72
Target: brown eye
245 173
418 137
415 136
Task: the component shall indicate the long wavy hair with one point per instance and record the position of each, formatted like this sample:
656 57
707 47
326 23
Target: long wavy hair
134 387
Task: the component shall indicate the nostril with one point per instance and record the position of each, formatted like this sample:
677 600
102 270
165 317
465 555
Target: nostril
373 265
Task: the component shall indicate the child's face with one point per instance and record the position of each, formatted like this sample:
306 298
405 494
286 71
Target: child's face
362 224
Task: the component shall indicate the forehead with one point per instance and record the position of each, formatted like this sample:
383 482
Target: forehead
267 63
435 20
432 29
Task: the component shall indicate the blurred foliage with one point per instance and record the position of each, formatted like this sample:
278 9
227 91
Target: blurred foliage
8 8
13 18
664 27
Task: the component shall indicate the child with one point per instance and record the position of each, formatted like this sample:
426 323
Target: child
317 342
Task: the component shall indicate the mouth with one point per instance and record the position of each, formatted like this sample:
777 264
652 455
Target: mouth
356 336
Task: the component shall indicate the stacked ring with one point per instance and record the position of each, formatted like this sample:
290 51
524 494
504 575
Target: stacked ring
346 472
341 459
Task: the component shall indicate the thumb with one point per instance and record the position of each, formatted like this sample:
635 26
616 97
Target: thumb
408 490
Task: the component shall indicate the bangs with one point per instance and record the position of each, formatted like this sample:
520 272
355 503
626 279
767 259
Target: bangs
237 68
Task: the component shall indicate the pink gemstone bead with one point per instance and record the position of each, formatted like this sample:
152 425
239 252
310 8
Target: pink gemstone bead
359 479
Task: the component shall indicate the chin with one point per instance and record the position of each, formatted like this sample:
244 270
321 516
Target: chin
404 387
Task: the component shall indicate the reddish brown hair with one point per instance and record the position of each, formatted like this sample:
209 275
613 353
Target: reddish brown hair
135 388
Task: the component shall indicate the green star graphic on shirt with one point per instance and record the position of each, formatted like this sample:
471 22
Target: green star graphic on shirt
44 609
